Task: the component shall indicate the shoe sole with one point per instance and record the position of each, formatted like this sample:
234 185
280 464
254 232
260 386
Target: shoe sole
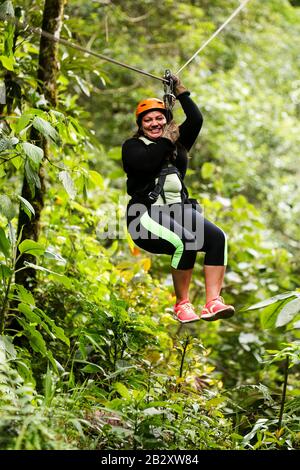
187 321
227 313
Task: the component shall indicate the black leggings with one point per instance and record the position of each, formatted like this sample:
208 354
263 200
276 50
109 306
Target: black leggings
179 230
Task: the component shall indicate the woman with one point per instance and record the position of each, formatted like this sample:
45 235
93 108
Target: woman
160 217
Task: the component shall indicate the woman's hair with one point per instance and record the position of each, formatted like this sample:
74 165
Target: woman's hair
138 133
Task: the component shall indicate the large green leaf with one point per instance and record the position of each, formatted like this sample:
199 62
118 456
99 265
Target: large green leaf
152 411
8 143
36 315
93 369
29 314
6 207
4 144
45 128
49 253
33 152
24 295
288 312
122 390
272 300
7 346
268 315
23 122
32 177
7 9
27 207
31 247
40 268
275 311
7 62
5 271
17 161
96 178
37 341
68 183
62 279
4 243
57 331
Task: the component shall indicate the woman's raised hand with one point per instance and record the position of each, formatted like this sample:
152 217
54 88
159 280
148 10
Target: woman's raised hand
178 86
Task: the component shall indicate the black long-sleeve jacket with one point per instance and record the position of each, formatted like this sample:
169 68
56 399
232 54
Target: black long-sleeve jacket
142 162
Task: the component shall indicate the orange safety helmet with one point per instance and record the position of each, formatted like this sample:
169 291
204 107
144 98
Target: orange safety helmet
150 104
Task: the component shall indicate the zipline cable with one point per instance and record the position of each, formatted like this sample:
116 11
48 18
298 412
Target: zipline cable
242 5
67 43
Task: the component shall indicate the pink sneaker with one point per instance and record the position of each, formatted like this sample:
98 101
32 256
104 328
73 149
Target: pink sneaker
184 312
216 309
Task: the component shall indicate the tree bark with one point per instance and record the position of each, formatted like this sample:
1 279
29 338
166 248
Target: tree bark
46 76
13 92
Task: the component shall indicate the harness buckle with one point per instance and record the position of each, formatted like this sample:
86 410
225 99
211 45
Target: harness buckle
152 196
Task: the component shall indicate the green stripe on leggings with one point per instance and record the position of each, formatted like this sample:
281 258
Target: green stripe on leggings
225 250
166 234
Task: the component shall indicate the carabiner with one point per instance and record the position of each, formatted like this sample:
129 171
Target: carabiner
169 97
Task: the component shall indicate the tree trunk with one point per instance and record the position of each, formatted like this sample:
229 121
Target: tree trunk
12 93
46 75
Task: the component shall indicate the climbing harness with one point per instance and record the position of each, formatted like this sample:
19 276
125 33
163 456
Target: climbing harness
166 79
160 178
158 190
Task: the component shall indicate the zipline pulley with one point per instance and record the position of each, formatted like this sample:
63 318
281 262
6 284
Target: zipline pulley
169 97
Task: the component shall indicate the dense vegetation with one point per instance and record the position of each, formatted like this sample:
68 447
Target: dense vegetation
90 356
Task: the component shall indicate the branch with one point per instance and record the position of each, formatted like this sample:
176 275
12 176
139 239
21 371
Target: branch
5 160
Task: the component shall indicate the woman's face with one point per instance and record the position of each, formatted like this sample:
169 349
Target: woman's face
153 124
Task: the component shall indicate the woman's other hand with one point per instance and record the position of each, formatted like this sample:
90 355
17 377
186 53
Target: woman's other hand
171 131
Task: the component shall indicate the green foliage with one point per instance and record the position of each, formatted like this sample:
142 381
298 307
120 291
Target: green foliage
27 421
279 310
92 358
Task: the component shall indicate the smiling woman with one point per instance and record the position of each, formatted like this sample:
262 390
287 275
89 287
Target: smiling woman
153 124
160 216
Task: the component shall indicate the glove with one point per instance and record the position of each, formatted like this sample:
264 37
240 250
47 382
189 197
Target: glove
178 86
171 132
